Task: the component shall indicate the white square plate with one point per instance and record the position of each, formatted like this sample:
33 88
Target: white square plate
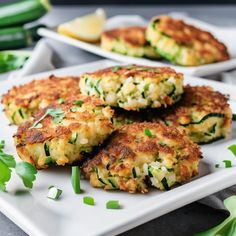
39 216
226 35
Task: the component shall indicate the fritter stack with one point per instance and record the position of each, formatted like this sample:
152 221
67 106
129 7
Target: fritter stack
130 127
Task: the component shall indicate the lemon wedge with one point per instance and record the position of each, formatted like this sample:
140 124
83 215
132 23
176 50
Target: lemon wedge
86 28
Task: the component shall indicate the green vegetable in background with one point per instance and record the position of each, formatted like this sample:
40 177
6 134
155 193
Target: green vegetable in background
21 12
227 227
24 170
12 60
19 37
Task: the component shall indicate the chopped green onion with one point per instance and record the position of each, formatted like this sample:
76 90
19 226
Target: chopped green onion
54 193
75 179
73 138
78 102
232 148
73 109
38 126
48 160
46 150
217 165
61 100
112 182
165 184
116 68
21 113
57 114
148 133
228 163
134 172
113 204
234 117
88 200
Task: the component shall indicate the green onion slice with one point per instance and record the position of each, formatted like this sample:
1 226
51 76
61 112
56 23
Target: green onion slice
54 193
113 204
61 100
75 179
228 163
88 200
116 68
148 133
232 148
78 102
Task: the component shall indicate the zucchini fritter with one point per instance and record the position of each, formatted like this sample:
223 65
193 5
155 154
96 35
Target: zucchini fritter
202 113
134 87
21 102
61 133
143 154
184 44
129 41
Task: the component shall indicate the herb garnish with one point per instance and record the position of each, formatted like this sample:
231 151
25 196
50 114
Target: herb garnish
88 200
228 163
148 133
232 148
24 170
75 179
78 102
61 100
54 193
113 204
57 114
116 68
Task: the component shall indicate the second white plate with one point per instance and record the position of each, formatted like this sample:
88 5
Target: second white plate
226 35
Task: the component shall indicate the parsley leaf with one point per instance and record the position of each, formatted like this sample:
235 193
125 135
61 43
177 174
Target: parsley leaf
57 114
232 148
5 175
27 173
8 160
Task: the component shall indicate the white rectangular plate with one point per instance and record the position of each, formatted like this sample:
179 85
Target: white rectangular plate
226 35
39 216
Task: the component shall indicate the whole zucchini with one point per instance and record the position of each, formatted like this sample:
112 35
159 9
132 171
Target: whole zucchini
19 37
16 37
18 13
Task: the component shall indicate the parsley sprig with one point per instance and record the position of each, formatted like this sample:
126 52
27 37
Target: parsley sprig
57 114
24 170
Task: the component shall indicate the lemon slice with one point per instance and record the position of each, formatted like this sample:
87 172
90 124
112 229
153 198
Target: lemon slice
86 28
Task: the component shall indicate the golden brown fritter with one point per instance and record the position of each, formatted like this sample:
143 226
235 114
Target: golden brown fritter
130 41
204 114
22 101
61 133
184 44
134 87
141 154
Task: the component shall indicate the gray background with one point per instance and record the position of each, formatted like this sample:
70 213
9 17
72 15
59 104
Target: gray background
187 220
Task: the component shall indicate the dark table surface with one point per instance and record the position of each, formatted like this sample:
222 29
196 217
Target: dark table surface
187 220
